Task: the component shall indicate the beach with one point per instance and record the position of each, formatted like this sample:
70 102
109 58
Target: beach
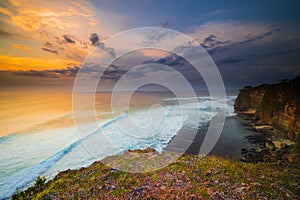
232 140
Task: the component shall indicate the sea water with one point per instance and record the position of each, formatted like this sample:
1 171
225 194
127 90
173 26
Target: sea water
48 143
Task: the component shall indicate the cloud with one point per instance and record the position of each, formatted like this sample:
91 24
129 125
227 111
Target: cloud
287 52
48 14
171 60
6 11
49 47
154 36
211 42
94 39
229 60
68 39
21 47
126 64
216 36
179 64
208 41
59 47
108 50
49 50
218 46
113 72
164 24
15 2
65 25
295 69
258 37
4 33
70 72
251 52
36 63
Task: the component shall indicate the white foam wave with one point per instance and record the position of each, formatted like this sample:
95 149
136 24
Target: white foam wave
26 156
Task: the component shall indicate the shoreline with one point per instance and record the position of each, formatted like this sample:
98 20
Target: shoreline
229 145
229 149
241 139
270 144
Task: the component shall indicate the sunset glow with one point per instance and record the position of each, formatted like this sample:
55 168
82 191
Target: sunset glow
149 99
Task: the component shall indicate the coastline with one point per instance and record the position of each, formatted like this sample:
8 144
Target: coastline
270 145
230 144
220 175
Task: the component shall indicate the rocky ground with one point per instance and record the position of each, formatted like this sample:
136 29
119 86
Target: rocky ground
189 177
274 112
270 144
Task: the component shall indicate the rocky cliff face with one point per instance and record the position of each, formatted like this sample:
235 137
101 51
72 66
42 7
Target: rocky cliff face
277 105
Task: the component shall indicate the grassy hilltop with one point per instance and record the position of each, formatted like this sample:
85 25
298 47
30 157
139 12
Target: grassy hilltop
190 177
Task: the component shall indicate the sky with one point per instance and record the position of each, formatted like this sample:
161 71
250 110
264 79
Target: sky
43 43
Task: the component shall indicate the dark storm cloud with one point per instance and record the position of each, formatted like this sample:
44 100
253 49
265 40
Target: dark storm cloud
211 42
94 39
68 39
70 72
49 50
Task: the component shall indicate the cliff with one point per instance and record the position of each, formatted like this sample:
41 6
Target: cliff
189 177
277 105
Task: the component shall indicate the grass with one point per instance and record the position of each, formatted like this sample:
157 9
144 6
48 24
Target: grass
189 177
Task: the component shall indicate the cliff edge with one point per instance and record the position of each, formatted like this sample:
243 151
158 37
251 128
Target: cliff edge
277 105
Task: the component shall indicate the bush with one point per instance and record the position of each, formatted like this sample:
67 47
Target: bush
38 186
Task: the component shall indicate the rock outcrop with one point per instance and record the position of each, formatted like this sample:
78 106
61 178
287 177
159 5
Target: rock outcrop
277 105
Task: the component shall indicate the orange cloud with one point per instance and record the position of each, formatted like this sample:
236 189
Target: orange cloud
47 27
21 47
15 2
25 63
32 15
5 11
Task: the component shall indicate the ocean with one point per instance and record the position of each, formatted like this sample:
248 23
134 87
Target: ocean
38 136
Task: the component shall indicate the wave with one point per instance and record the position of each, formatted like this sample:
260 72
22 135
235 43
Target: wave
197 98
25 176
122 142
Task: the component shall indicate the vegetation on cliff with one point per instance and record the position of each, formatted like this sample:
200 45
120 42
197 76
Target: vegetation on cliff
190 177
